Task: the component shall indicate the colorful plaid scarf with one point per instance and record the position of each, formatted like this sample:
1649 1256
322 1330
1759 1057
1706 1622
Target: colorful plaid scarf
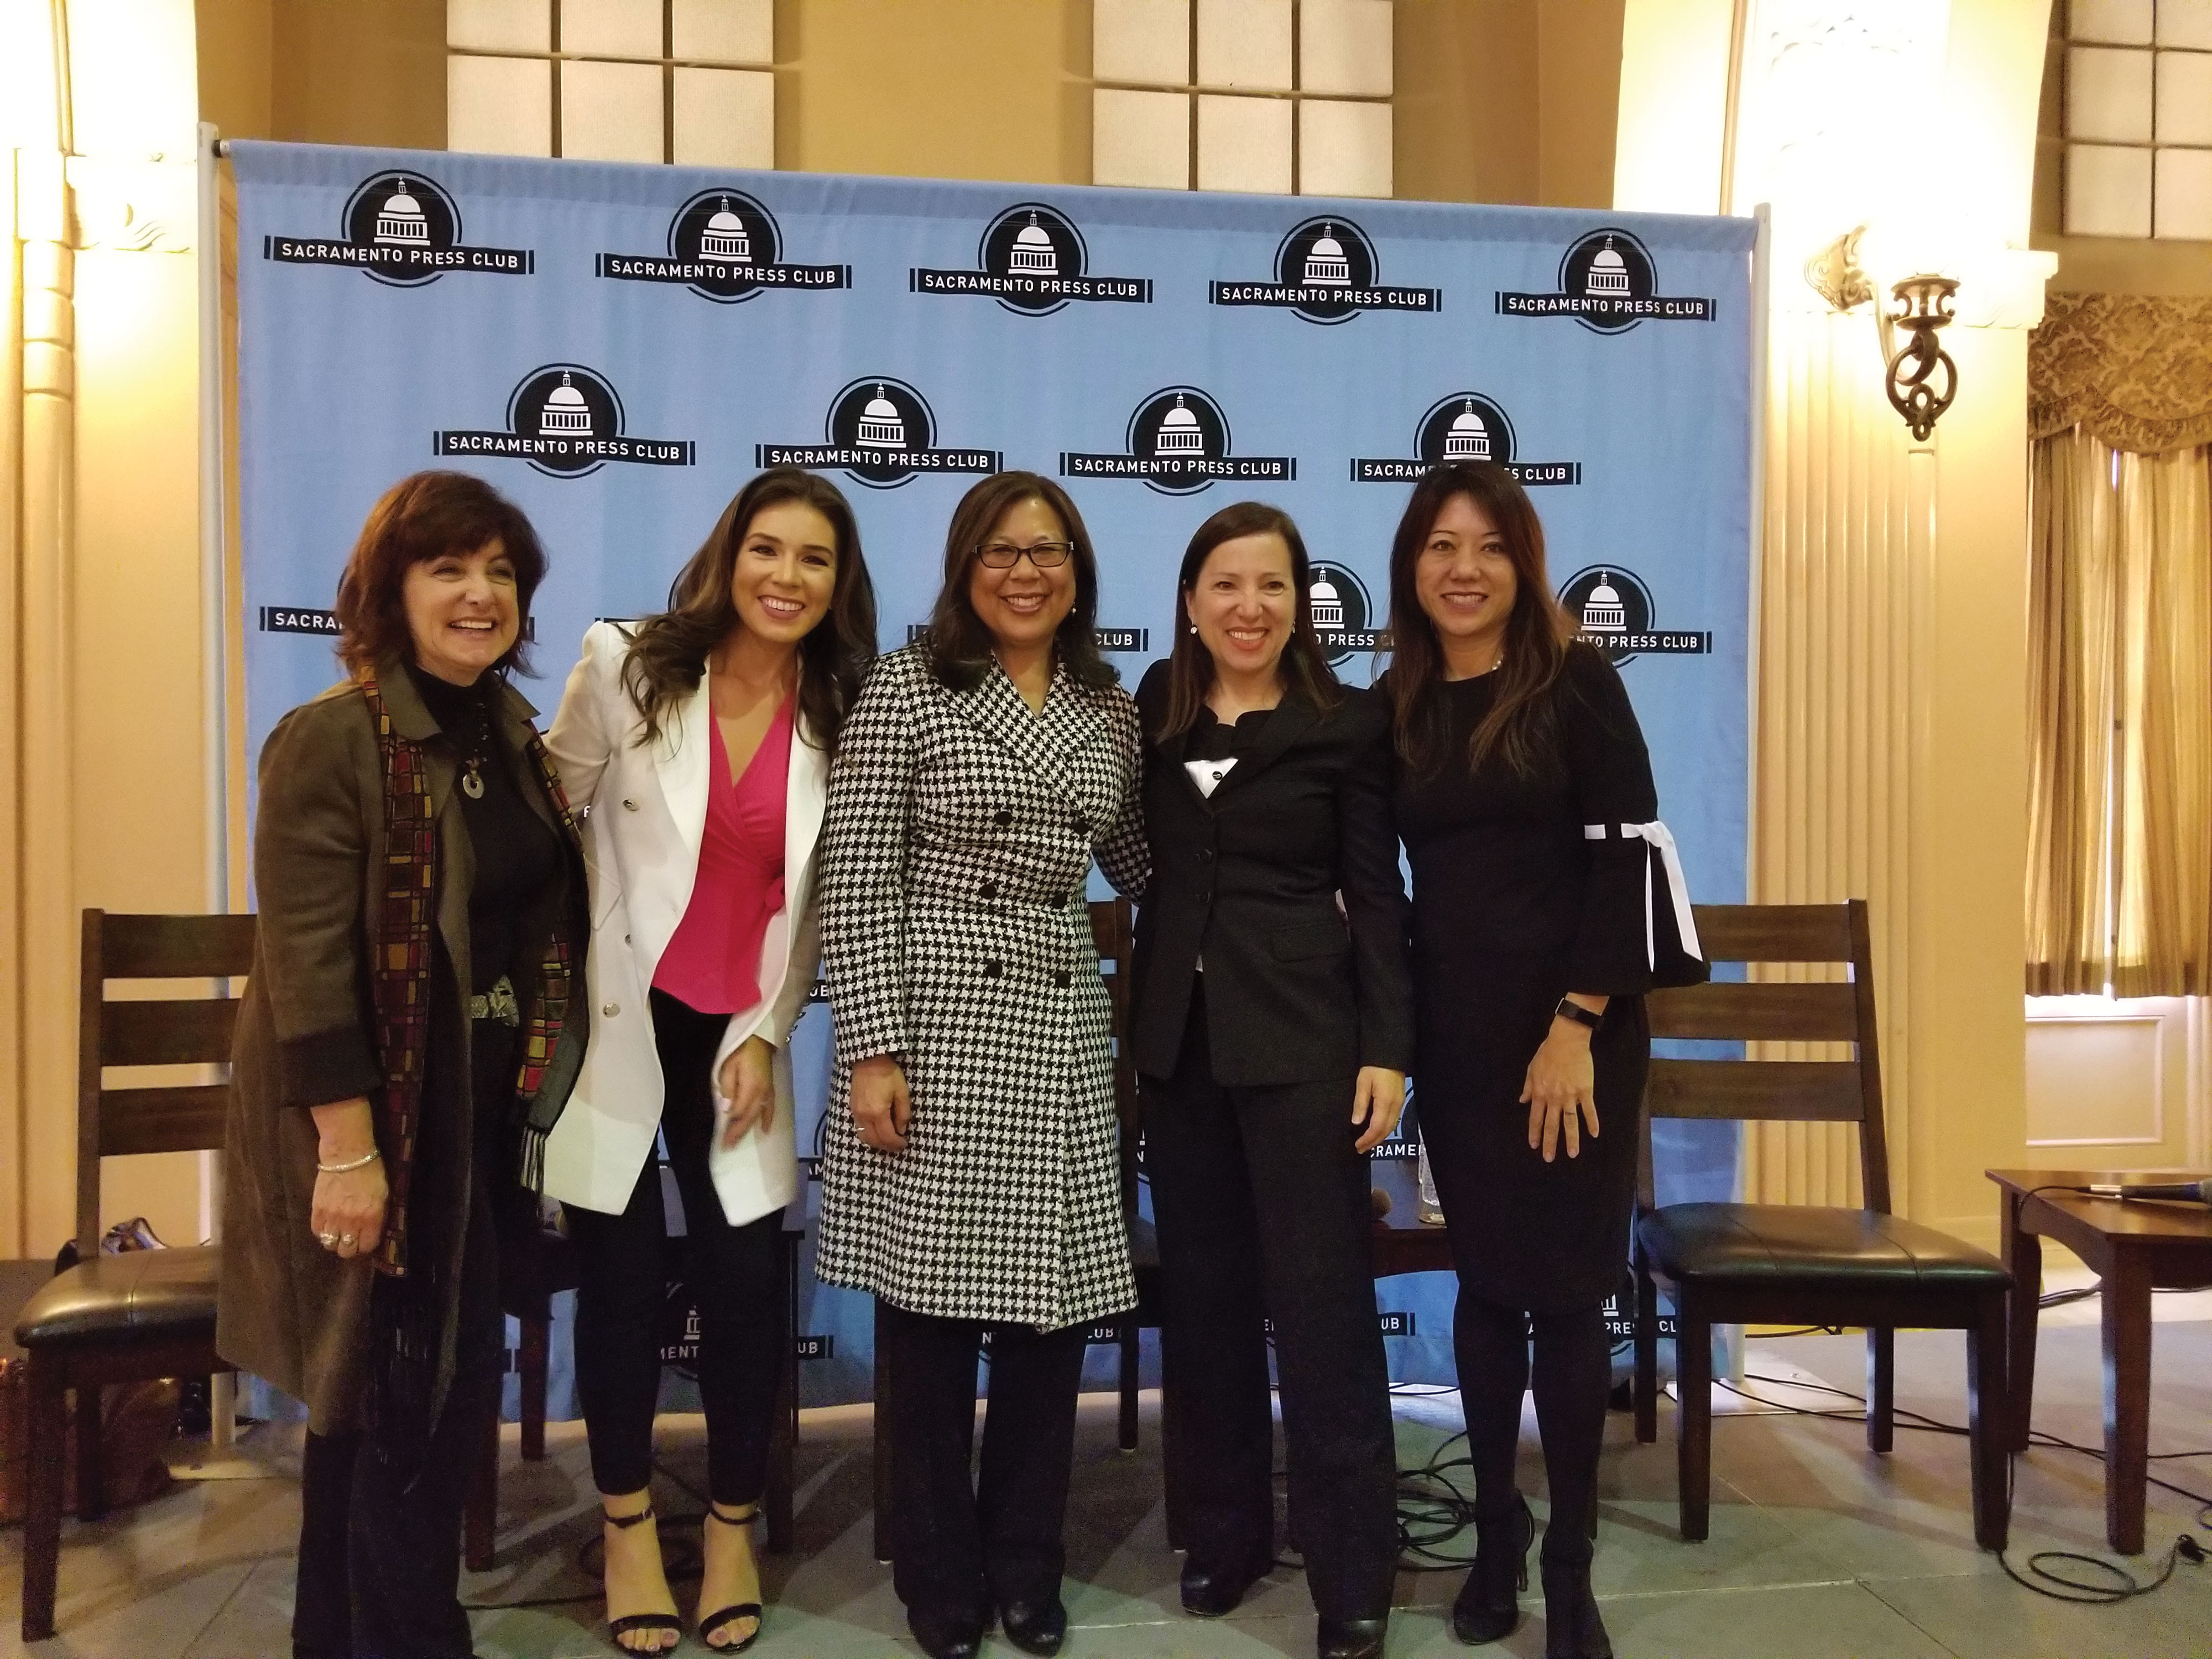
407 923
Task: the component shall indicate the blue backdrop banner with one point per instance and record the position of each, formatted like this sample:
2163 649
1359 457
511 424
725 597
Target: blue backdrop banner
619 348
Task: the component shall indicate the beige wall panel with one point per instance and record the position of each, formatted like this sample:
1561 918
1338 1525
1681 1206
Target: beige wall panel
1578 89
235 41
2096 1081
1674 105
1465 121
347 73
932 88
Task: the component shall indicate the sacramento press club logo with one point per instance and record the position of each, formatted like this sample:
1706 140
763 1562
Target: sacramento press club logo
1465 426
1032 261
1325 271
567 421
880 431
1343 615
723 246
1608 283
403 229
1178 443
1615 610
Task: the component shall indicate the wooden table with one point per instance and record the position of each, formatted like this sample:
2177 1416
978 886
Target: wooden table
2134 1248
1404 1244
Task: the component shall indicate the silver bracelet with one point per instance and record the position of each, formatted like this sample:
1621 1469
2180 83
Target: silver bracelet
361 1163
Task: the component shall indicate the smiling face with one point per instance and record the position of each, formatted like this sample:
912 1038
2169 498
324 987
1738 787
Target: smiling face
1464 577
1022 607
464 611
785 572
1244 602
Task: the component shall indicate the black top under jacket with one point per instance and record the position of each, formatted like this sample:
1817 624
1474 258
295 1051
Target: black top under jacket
1298 990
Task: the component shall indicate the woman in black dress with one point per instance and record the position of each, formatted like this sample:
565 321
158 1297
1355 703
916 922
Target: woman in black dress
1526 803
1273 1024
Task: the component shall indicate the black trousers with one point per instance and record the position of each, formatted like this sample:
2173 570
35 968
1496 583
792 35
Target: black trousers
1263 1211
956 1545
380 1545
732 1273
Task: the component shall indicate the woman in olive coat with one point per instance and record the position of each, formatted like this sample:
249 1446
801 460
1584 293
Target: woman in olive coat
407 1040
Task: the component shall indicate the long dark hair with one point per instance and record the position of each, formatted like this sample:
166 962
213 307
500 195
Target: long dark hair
1303 669
668 652
1518 728
427 515
959 645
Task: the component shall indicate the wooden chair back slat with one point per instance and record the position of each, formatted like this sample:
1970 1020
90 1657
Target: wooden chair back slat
1776 1091
1754 1010
189 1119
191 1030
176 947
1756 1013
1774 932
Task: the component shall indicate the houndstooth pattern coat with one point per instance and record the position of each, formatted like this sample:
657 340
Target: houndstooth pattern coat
955 934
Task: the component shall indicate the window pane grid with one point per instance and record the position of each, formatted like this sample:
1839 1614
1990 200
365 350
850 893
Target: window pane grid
660 81
1205 78
2138 120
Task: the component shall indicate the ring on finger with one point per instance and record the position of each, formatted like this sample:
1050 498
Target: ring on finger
326 1240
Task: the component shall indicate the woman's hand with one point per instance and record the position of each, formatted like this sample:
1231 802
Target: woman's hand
1560 1088
881 1106
1377 1100
747 1087
347 1212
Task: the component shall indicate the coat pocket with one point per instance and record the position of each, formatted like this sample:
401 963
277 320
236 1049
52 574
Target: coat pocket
1309 940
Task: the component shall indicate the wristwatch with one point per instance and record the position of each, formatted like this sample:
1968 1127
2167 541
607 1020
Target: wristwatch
1570 1009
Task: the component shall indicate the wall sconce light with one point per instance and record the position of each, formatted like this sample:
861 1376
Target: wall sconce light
1921 378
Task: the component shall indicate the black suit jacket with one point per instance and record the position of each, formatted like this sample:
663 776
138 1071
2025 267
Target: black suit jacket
1297 991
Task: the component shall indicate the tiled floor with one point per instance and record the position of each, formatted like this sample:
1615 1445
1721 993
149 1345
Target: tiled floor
1817 1549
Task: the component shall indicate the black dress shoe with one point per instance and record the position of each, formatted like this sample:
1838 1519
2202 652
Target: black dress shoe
1352 1638
1037 1627
1572 1626
1486 1609
945 1638
1209 1595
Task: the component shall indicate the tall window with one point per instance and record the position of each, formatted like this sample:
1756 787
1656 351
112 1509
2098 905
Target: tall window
683 80
2138 118
1278 96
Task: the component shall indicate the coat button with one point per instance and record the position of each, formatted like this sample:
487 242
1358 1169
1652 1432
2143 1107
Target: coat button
989 890
630 806
1061 979
1002 818
611 1009
1206 854
992 971
1082 826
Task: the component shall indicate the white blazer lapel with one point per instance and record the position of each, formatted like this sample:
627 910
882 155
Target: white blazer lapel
682 757
805 795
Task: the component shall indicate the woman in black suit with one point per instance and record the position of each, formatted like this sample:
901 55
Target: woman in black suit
1273 1027
1525 797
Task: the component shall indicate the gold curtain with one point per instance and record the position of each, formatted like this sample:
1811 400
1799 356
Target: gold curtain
2119 889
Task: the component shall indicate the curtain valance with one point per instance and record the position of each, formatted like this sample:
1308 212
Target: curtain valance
2133 370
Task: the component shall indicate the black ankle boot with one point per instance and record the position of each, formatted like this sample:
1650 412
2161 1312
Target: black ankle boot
1486 1609
1572 1626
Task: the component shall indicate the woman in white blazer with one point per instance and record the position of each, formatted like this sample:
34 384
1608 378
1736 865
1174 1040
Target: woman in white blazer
699 741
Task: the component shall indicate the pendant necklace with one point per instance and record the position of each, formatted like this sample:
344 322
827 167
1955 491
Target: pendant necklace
472 778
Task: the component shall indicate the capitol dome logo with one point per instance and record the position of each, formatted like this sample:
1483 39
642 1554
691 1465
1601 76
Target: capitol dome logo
567 421
1032 260
724 246
1178 443
1608 283
881 432
1612 607
1464 426
404 230
1327 271
1342 618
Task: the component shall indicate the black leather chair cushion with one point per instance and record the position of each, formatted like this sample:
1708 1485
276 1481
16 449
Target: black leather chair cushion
1782 1244
138 1293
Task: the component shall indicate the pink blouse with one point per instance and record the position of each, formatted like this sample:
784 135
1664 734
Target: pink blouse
713 962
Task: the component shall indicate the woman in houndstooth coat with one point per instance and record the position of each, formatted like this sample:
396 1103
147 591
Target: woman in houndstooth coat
970 1178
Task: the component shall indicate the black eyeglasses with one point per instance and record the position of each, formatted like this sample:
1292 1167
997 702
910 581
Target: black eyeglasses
1005 556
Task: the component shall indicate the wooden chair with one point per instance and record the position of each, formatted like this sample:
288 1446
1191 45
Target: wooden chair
1113 930
1800 1264
146 1314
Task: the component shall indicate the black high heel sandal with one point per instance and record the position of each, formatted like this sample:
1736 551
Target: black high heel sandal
711 1624
633 1623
